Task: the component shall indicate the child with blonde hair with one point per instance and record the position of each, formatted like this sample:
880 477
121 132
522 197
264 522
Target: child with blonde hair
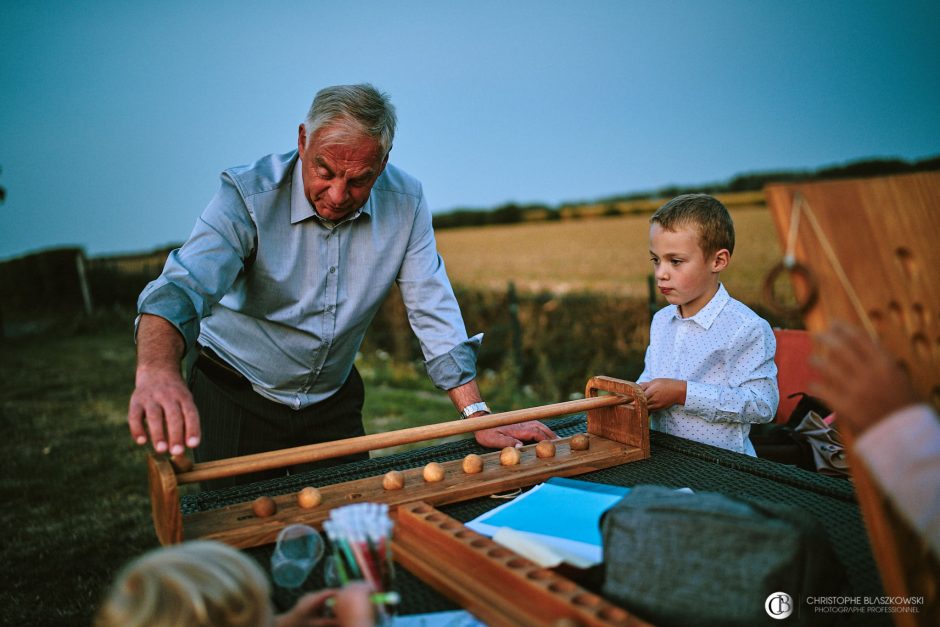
709 371
206 583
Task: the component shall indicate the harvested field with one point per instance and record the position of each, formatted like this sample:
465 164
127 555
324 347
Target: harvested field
605 255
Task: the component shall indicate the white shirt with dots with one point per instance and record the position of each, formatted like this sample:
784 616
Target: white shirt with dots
725 354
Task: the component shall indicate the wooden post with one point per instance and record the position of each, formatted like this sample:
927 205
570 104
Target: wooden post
83 281
515 330
628 424
165 501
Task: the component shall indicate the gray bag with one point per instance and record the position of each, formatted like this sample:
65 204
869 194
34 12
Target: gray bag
676 558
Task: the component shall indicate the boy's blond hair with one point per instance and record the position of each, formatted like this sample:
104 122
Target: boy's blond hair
195 583
708 214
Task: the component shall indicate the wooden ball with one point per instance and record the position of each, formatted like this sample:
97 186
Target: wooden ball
545 448
509 456
393 480
433 472
309 497
472 464
264 506
580 442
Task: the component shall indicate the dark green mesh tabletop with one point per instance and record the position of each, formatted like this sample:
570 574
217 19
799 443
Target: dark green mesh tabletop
673 462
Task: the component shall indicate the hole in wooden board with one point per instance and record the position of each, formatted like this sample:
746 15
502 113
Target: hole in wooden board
904 368
541 574
498 553
463 534
896 313
907 261
480 543
421 509
586 600
921 346
878 319
613 614
353 496
450 525
920 315
562 586
517 562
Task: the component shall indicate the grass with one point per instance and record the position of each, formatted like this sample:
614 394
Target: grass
74 486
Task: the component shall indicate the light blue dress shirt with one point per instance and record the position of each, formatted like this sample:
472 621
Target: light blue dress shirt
286 297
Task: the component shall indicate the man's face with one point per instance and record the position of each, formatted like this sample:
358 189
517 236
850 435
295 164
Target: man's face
339 169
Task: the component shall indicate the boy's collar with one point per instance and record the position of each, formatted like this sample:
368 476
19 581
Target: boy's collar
707 314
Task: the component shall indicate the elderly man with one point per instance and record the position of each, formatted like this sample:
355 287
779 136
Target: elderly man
276 287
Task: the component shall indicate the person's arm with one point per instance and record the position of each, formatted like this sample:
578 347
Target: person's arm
161 404
497 437
348 607
195 277
896 438
857 379
750 394
436 320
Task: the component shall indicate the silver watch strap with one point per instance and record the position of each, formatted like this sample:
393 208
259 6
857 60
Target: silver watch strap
473 408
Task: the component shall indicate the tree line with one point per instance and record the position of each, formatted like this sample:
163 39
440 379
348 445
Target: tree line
510 213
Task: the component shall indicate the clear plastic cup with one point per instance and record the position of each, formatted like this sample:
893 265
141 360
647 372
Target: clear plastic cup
298 549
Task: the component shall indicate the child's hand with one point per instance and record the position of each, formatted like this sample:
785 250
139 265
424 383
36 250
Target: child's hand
349 606
663 393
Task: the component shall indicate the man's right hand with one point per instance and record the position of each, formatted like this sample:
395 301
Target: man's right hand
161 403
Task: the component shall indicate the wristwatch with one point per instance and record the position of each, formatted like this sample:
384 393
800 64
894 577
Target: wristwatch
473 408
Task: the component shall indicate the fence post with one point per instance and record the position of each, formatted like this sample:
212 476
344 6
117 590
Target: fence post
83 281
515 328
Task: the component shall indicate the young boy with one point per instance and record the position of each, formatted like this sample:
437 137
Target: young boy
710 369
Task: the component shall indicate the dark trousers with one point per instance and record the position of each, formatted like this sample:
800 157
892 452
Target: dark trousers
235 420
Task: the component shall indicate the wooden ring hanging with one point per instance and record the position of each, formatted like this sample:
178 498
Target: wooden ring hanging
794 268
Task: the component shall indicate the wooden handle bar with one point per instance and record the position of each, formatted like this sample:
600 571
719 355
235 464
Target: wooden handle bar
233 466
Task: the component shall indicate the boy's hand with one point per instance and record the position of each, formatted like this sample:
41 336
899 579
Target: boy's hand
663 393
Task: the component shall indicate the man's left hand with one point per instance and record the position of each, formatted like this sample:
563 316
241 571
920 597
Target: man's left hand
514 435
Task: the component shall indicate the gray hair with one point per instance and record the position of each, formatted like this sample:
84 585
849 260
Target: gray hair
361 108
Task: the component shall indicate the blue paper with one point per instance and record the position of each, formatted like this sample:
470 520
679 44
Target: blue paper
561 508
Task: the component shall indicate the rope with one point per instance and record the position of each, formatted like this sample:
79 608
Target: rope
800 206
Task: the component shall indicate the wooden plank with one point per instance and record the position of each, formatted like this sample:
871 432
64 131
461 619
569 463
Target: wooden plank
237 525
883 232
622 423
871 246
497 585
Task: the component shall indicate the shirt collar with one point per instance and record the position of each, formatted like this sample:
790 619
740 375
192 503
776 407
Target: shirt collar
300 207
707 314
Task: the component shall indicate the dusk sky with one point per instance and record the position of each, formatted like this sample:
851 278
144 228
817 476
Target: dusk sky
117 117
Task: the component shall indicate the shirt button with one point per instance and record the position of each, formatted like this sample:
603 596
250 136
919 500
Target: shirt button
332 269
329 308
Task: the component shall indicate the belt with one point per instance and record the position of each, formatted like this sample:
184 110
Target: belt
217 368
